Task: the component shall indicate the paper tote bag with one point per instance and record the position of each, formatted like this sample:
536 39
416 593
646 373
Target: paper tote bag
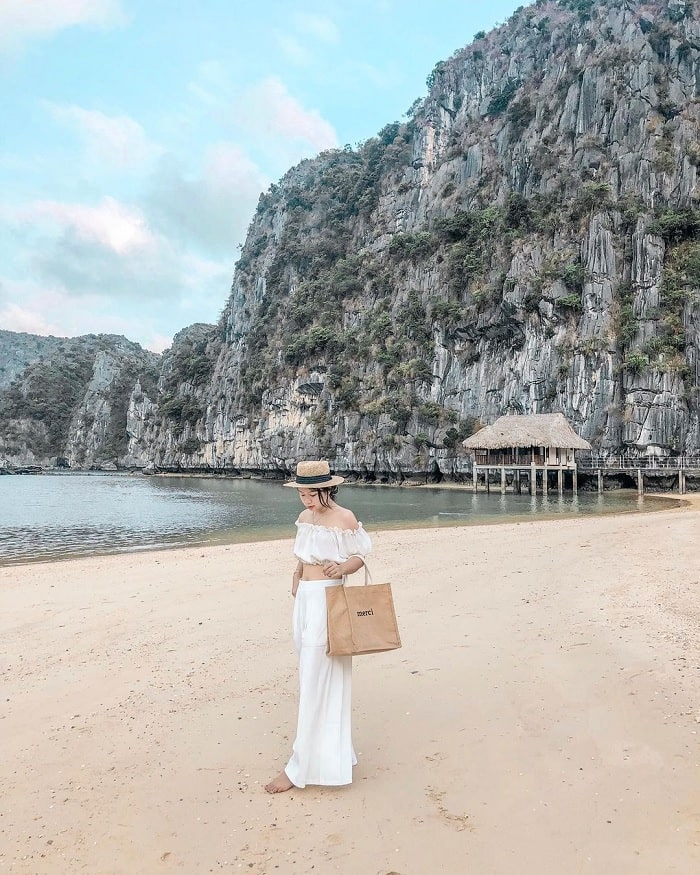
361 619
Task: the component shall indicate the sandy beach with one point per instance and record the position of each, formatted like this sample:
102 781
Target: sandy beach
542 718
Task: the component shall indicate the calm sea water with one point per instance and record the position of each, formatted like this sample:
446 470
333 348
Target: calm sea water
52 516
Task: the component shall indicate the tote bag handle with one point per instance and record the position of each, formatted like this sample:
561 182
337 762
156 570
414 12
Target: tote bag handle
368 575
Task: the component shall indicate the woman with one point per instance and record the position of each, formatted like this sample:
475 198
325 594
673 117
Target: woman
330 543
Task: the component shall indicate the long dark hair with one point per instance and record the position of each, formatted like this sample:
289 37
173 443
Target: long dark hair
326 495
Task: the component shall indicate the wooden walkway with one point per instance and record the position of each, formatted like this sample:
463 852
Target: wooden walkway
631 463
679 466
536 477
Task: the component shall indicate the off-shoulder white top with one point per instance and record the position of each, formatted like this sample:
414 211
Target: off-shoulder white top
315 545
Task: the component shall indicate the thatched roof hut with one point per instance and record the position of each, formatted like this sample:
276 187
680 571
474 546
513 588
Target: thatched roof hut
532 430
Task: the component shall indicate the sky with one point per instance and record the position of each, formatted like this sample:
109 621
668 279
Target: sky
136 137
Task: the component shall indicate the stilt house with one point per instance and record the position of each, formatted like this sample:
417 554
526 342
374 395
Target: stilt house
541 444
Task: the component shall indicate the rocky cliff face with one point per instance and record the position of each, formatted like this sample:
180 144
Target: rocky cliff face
68 405
18 350
527 241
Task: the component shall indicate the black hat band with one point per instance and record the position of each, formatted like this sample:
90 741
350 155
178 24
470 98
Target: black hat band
311 481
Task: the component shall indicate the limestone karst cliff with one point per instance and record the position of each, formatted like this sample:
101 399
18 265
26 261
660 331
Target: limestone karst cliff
18 350
527 240
68 403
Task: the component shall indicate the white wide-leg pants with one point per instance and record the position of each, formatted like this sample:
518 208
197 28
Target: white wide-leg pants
322 752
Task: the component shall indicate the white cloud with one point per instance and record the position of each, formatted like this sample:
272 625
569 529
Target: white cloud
211 209
142 271
62 316
117 140
107 268
111 225
270 110
205 288
106 250
15 317
30 306
292 48
294 45
157 342
211 83
37 306
21 20
385 78
264 118
319 26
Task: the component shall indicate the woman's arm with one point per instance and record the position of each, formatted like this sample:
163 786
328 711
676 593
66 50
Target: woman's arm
336 570
296 577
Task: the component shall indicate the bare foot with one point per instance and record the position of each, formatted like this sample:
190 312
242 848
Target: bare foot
280 784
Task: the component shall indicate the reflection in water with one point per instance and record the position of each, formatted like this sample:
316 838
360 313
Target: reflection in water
57 515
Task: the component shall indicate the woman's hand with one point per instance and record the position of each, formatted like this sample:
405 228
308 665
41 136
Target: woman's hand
332 570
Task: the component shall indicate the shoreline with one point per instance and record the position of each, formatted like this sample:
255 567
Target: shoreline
547 681
417 481
275 533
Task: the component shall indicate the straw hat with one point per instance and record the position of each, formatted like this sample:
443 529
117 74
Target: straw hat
314 475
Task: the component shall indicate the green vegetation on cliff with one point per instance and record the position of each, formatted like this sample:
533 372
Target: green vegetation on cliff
43 408
527 241
46 397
